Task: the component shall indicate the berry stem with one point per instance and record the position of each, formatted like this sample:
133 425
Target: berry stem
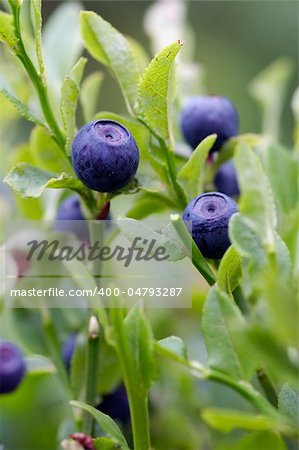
192 250
92 362
241 301
172 172
53 348
268 387
248 392
262 376
170 161
137 396
245 389
37 82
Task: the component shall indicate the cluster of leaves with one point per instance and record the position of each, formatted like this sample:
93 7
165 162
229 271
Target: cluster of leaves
249 322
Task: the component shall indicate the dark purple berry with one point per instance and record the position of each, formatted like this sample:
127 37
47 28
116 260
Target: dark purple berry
12 367
68 350
105 155
69 218
205 115
226 179
116 405
209 216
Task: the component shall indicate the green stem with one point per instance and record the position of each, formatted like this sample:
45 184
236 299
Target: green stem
170 161
54 349
91 373
38 84
177 188
138 398
268 387
192 250
241 301
263 377
247 391
140 421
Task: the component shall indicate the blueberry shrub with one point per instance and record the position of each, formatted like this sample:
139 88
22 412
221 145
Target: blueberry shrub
222 375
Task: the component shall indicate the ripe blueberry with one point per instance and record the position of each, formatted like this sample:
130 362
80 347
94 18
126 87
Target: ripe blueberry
205 115
68 350
105 155
226 179
209 215
12 367
116 405
68 211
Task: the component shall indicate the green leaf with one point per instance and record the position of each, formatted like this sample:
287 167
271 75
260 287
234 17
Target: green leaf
273 354
104 443
155 91
23 110
143 181
140 345
222 326
141 56
295 109
282 171
191 174
246 241
89 94
30 182
109 47
84 279
269 89
7 32
191 249
288 402
266 440
257 204
69 97
30 208
38 365
230 271
77 369
132 228
142 208
36 18
227 420
174 347
105 422
61 49
46 153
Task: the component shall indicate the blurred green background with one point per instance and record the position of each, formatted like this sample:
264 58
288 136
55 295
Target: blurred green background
233 41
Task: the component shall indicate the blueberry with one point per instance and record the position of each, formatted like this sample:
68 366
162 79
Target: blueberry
205 115
226 179
68 211
105 155
12 367
116 405
209 215
68 350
